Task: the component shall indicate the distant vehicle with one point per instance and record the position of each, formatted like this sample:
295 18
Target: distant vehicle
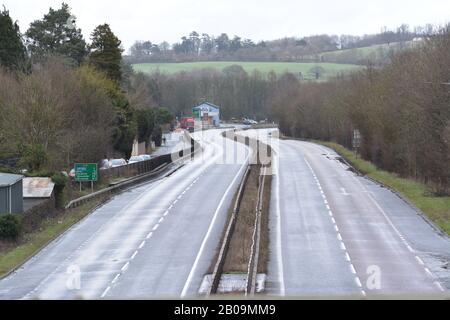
135 159
146 157
118 163
105 164
250 122
187 123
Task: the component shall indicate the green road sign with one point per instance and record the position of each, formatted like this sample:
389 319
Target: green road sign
86 172
196 113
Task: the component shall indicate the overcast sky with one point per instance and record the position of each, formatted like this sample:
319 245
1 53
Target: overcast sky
159 20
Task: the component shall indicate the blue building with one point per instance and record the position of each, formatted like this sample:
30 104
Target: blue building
208 113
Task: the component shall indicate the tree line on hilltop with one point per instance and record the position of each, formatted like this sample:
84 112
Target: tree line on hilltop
206 47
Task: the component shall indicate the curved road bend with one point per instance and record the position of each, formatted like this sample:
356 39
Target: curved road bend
334 233
155 240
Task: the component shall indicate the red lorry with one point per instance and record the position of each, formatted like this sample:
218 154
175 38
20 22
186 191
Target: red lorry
187 123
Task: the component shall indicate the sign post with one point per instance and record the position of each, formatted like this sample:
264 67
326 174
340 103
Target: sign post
86 172
356 141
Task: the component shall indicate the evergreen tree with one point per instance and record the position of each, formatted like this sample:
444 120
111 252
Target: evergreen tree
56 34
106 52
12 50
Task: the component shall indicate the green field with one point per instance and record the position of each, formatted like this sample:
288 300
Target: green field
331 69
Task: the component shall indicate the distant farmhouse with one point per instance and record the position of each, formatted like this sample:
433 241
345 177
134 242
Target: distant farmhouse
207 113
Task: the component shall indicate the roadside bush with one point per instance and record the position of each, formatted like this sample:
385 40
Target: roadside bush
9 227
60 181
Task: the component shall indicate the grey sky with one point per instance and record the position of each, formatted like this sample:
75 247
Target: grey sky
256 19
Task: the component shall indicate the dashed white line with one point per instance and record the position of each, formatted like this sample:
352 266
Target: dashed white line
125 267
116 278
419 261
142 245
105 292
437 284
429 272
149 235
156 227
134 255
161 220
336 228
358 282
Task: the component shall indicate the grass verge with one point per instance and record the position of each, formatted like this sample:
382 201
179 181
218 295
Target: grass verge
14 255
436 208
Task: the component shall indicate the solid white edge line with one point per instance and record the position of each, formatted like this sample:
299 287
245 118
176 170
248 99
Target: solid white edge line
278 238
211 225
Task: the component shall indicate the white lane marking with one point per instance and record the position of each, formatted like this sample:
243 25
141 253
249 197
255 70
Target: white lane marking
437 284
161 220
166 213
155 227
419 261
170 208
116 278
429 272
344 192
105 292
125 267
142 245
347 257
279 244
134 255
352 269
175 202
149 235
211 225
